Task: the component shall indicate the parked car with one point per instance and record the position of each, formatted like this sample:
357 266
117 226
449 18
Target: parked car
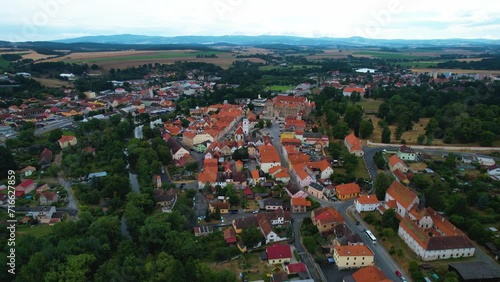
398 274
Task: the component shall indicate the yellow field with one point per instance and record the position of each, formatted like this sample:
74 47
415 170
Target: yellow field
30 54
56 83
124 59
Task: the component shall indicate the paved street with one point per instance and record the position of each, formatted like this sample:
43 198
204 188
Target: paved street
53 126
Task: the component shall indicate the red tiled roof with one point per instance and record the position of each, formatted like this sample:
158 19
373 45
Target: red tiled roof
247 191
354 143
301 202
278 251
26 183
355 250
296 267
401 194
368 199
395 160
321 165
369 274
230 235
346 189
66 138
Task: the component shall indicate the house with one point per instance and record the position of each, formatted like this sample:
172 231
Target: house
367 274
407 153
165 200
67 140
27 171
316 190
271 204
278 253
239 165
494 172
446 241
45 158
299 205
322 168
244 222
48 198
326 218
397 163
223 207
294 268
303 177
295 192
178 152
255 177
248 193
203 230
42 212
25 187
348 91
267 230
354 145
230 236
347 257
401 177
400 198
366 203
347 191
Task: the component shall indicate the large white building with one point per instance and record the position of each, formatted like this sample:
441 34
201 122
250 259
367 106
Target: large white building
424 230
366 203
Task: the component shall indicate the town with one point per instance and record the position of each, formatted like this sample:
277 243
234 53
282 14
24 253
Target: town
325 180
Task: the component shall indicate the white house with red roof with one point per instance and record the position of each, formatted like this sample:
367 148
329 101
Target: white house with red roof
277 254
400 198
366 203
322 168
67 140
349 90
354 145
396 163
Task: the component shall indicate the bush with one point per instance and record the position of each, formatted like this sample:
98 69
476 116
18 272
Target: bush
369 218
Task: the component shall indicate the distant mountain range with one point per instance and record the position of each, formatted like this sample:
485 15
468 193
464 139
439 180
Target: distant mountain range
131 39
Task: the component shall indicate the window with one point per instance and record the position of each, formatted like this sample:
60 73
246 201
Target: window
363 263
354 258
347 258
363 258
347 263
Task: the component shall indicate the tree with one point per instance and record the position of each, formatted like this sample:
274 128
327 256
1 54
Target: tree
366 129
448 136
421 139
269 123
383 110
353 116
55 135
185 123
7 163
386 135
389 219
340 130
483 201
251 236
486 138
381 183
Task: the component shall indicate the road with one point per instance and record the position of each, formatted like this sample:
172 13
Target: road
66 184
53 126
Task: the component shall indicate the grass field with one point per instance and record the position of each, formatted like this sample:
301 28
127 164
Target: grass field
36 231
281 88
257 269
370 105
56 83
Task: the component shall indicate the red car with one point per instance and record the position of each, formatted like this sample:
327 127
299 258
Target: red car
398 273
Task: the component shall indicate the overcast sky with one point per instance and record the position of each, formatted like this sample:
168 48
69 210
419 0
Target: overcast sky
26 20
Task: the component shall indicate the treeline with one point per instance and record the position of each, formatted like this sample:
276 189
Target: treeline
484 64
469 115
11 57
93 249
51 68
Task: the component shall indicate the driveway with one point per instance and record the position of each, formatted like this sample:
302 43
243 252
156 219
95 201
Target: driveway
71 200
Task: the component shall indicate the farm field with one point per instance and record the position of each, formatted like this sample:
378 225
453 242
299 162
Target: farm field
430 70
28 54
124 59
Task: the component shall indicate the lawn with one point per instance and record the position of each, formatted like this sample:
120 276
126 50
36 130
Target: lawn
360 170
279 88
249 264
35 230
70 133
370 105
